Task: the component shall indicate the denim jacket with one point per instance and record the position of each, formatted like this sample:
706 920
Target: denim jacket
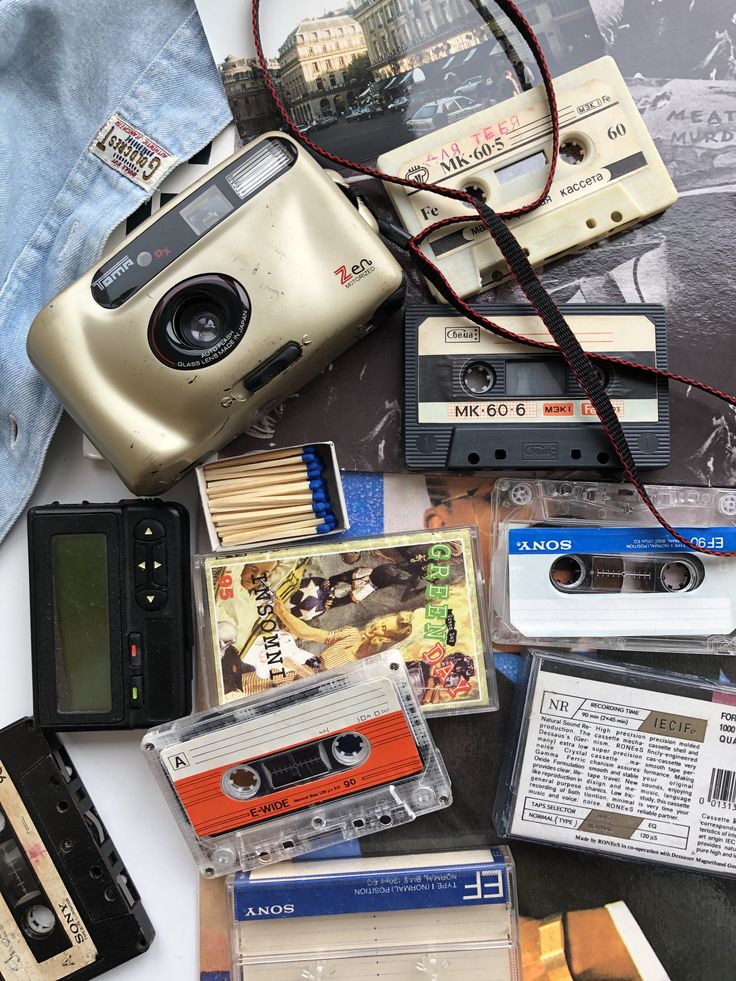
69 71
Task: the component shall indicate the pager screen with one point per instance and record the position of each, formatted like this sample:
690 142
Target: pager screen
82 623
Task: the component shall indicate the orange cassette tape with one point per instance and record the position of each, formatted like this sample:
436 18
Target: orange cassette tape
296 769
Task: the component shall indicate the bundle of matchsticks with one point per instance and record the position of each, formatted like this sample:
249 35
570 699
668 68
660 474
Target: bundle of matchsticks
272 496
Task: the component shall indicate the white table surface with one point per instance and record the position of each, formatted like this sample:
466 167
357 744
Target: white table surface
111 765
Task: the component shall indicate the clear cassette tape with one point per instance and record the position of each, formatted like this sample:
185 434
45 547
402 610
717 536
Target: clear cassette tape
446 916
299 768
610 175
585 565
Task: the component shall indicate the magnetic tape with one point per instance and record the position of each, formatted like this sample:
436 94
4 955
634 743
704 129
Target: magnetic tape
293 770
68 909
610 176
476 400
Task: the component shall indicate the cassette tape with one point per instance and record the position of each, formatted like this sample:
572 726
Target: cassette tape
622 761
609 175
475 400
300 768
68 909
449 916
584 565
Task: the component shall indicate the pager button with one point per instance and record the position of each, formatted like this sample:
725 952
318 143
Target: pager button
141 565
135 651
151 598
158 570
149 531
136 691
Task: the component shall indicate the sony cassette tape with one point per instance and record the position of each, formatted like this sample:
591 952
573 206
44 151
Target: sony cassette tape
622 761
68 909
300 768
584 565
474 400
448 916
609 175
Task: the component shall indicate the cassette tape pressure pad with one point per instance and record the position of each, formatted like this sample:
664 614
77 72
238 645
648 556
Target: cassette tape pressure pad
227 301
609 176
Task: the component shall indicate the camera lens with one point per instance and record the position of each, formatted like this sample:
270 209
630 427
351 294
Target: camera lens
200 322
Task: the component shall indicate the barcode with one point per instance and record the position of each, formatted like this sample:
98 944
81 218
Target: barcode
722 786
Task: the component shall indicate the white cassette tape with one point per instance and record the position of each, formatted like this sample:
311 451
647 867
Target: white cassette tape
610 175
584 564
302 767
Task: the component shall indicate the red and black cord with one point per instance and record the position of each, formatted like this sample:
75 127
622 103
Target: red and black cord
581 364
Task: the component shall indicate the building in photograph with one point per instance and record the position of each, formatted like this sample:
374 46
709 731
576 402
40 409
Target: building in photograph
404 34
316 61
251 103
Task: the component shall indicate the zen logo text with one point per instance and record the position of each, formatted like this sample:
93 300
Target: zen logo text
349 277
489 885
564 545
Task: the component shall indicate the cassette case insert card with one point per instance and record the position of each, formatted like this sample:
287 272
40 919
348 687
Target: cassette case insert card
625 762
270 617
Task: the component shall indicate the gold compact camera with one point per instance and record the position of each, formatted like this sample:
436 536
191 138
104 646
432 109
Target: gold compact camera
228 300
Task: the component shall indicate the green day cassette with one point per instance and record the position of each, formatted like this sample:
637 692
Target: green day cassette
622 761
267 617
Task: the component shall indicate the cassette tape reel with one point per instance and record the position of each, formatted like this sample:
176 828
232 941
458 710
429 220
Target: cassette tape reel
610 175
474 400
323 760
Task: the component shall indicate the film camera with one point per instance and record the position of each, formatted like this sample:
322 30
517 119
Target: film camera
225 302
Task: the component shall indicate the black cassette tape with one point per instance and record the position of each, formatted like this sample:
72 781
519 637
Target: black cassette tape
67 906
474 400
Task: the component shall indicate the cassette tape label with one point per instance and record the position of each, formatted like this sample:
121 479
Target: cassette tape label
299 745
640 771
42 934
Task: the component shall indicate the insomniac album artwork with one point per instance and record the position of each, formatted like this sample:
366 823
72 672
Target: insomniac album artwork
293 613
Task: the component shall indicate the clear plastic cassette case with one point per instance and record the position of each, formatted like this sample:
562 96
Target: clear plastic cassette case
267 617
622 761
585 565
308 765
447 916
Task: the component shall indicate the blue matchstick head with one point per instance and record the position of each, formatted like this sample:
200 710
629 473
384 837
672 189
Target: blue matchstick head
314 470
310 457
323 529
316 485
309 449
321 507
319 497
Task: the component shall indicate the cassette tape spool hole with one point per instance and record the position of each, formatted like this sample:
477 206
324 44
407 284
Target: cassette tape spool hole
39 921
241 782
574 150
567 573
478 377
351 748
679 576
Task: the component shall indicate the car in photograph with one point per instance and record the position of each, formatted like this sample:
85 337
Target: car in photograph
441 112
374 109
352 115
470 86
399 105
322 122
306 127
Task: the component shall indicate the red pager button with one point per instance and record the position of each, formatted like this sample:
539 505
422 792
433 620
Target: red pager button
135 650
